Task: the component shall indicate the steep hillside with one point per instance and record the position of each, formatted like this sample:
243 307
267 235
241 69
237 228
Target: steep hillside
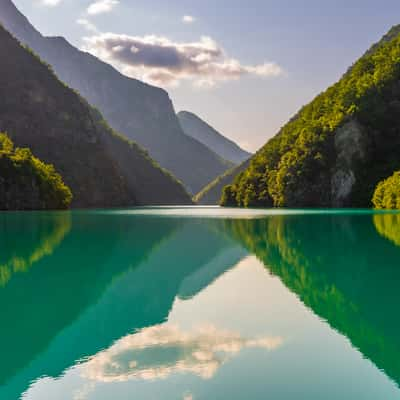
26 183
101 168
337 148
198 129
212 193
143 113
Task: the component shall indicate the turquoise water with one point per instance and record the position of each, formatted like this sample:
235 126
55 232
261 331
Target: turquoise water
200 303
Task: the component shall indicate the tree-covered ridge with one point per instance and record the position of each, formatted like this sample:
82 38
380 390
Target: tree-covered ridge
303 164
387 193
28 183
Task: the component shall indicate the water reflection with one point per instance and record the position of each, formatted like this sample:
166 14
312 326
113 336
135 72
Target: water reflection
110 275
37 238
162 350
388 226
342 269
100 292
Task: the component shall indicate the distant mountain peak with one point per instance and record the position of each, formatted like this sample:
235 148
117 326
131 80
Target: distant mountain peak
202 131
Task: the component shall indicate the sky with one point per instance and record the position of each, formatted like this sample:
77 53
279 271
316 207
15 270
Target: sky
245 67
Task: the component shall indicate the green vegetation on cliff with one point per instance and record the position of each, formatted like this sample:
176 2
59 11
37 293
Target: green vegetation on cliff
387 193
28 183
336 149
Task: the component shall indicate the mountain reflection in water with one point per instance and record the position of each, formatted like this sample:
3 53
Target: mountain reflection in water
97 289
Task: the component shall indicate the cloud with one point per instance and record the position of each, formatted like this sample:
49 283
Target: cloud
159 60
200 352
101 6
188 19
50 3
89 26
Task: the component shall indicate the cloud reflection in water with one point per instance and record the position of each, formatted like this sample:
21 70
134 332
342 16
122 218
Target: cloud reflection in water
162 350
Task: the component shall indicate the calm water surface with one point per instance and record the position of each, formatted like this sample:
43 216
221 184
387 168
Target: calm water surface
200 303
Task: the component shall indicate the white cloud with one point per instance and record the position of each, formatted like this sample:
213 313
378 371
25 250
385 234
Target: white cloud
188 19
101 6
89 26
50 3
159 60
200 352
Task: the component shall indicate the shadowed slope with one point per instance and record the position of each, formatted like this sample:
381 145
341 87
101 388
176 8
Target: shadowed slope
102 168
198 129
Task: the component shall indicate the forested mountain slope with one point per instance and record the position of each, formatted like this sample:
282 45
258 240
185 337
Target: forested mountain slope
101 168
338 147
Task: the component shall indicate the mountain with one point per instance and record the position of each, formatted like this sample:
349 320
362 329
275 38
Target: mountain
338 147
143 113
198 129
212 193
101 168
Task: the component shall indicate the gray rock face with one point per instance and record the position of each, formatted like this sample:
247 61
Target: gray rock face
350 146
143 113
195 127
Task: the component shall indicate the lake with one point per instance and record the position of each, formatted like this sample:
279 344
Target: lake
200 303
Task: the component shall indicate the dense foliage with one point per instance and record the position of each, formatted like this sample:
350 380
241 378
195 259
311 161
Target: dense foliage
387 193
295 167
22 174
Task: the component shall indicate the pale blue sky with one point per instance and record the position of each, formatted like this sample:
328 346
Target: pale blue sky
313 42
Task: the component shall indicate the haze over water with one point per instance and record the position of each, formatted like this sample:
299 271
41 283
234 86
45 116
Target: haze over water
200 303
